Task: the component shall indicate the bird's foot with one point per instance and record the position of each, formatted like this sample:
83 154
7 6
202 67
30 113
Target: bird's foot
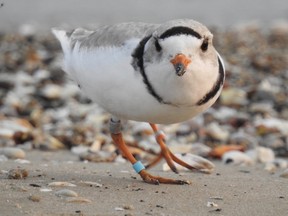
199 165
148 178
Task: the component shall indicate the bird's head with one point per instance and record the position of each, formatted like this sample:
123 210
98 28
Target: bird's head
180 54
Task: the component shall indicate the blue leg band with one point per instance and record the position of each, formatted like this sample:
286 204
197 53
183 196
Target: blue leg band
138 166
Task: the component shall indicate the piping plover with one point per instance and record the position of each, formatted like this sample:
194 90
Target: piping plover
156 73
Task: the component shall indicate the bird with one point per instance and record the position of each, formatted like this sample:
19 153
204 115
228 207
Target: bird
156 73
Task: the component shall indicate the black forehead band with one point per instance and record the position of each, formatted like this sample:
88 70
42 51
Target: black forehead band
180 30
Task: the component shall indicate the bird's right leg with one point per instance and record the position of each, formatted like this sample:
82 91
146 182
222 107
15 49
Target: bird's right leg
115 128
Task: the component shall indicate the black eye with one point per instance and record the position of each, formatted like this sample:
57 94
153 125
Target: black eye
204 45
157 45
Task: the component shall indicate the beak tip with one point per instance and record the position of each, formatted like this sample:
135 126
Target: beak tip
180 69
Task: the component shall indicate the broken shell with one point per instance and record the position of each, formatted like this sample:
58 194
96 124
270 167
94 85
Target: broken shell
13 153
211 204
61 184
78 200
199 163
237 158
89 183
233 96
217 132
66 193
264 154
284 174
17 174
219 151
34 198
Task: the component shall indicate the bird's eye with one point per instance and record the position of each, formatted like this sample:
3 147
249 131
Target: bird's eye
204 45
157 45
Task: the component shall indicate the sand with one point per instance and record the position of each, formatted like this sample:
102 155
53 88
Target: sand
235 190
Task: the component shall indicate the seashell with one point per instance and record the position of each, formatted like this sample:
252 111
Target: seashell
237 158
264 108
142 128
80 149
34 198
211 204
51 91
264 154
100 156
51 143
270 167
78 200
22 161
13 153
284 174
90 183
280 163
180 148
200 149
45 189
233 96
225 113
200 163
61 184
119 209
220 150
3 158
66 193
217 132
17 174
273 124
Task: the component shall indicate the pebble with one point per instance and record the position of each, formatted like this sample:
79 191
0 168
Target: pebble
13 153
66 193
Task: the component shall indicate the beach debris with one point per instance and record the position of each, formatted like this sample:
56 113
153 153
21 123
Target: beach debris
261 154
45 189
220 150
17 173
34 198
90 184
22 161
66 193
211 204
78 200
284 174
200 163
237 158
61 184
13 153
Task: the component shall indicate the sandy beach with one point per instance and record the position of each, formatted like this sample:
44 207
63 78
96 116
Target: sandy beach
235 190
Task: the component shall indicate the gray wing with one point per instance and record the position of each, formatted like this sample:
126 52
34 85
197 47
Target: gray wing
113 35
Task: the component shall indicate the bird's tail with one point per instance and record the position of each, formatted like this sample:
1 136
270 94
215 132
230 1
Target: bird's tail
64 40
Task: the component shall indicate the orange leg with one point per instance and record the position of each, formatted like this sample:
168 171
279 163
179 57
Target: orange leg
118 140
166 153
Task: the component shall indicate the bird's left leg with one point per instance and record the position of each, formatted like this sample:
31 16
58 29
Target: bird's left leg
166 153
115 128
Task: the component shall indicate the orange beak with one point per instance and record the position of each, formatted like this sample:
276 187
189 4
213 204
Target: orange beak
180 62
